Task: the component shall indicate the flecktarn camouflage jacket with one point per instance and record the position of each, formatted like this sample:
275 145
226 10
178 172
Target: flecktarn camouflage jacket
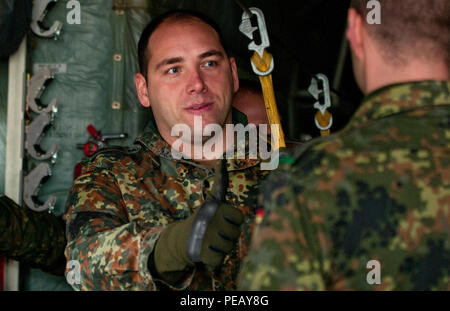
124 198
367 208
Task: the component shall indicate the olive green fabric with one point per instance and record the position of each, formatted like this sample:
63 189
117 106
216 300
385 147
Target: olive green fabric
97 87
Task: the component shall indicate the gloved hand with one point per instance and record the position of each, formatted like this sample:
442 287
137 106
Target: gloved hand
221 235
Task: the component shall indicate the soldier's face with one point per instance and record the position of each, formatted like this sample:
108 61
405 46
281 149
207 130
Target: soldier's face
252 105
189 75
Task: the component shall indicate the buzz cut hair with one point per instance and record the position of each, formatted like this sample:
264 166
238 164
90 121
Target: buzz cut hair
172 16
410 29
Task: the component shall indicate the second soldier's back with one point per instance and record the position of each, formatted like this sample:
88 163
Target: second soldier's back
368 208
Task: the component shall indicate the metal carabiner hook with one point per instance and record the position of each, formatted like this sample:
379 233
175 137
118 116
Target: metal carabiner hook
34 133
324 119
247 29
315 91
35 86
32 183
40 9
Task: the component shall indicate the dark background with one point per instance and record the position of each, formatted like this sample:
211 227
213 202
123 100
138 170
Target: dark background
306 38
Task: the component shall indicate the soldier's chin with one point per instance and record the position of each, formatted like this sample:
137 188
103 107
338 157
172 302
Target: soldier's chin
204 120
207 130
199 134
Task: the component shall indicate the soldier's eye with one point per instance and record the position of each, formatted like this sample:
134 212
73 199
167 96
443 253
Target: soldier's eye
210 63
173 70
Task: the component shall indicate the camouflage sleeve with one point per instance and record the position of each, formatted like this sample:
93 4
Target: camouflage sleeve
34 238
285 253
111 250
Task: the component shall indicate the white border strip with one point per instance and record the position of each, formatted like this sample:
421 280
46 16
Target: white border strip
14 144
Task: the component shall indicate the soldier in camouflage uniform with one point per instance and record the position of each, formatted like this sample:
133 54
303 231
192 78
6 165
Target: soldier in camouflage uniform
33 238
380 188
130 212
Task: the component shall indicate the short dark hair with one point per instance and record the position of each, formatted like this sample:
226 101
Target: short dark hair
173 15
418 28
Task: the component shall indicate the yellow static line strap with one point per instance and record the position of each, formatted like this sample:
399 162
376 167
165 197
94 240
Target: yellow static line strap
324 121
262 64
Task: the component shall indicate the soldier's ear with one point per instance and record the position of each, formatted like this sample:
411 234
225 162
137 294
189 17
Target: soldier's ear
354 33
142 90
234 73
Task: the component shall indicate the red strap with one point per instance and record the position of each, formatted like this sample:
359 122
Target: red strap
92 130
2 272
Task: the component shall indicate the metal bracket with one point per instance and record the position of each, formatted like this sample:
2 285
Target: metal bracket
315 91
40 9
247 29
34 133
32 183
35 86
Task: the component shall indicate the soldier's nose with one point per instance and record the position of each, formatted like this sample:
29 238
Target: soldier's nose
196 83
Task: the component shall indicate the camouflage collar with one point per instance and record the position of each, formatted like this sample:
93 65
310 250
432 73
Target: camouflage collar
153 141
394 99
155 144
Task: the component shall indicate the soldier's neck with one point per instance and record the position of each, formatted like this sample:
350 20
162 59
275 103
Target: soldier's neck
415 70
